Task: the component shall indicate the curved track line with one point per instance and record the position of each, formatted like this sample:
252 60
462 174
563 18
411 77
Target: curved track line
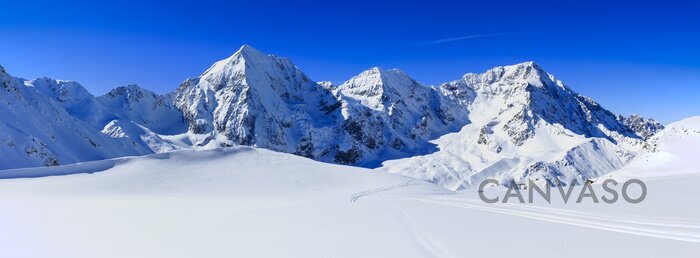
674 231
359 195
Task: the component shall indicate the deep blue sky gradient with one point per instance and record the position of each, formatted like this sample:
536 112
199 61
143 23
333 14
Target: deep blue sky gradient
633 57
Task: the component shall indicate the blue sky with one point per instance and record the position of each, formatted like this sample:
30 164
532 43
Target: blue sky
632 57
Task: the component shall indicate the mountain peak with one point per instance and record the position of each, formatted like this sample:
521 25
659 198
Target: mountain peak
128 89
248 86
131 87
382 75
248 51
375 86
525 72
524 68
527 64
245 53
59 89
236 64
375 69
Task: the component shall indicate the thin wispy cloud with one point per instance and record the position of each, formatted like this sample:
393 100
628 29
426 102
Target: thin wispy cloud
447 40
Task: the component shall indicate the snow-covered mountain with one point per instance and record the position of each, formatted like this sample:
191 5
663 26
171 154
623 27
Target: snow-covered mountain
143 117
388 115
126 112
77 101
526 124
254 99
38 130
146 108
265 101
510 123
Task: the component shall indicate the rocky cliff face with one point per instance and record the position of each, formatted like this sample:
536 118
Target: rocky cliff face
387 112
643 127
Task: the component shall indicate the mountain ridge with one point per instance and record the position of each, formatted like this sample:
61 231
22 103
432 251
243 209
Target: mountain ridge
252 98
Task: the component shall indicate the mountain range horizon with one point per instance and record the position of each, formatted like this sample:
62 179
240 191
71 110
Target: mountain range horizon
244 46
514 122
168 89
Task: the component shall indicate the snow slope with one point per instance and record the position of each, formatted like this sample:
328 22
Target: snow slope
671 152
245 202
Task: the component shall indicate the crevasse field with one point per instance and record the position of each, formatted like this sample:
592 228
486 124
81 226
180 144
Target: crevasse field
248 202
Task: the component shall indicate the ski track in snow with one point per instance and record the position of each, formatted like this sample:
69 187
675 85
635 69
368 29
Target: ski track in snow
361 194
644 227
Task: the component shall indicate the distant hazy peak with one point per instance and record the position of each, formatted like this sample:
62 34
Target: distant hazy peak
130 91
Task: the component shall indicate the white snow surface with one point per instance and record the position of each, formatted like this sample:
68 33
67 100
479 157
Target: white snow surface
247 202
